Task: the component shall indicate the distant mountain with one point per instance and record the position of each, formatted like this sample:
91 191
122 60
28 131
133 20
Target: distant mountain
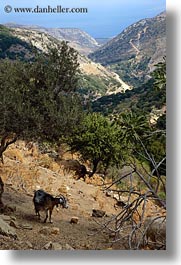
102 41
77 38
134 52
96 80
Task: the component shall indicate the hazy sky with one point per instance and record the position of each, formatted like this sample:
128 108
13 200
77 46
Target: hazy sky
105 18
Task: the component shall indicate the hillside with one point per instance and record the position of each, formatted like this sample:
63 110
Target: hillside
96 80
134 52
77 38
27 168
135 99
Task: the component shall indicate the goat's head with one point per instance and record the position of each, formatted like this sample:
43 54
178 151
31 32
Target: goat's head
63 201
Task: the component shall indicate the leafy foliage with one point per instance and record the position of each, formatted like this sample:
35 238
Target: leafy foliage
9 43
98 141
36 96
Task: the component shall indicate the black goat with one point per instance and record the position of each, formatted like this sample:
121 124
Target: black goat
44 201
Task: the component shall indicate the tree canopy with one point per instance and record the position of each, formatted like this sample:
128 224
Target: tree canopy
97 141
38 97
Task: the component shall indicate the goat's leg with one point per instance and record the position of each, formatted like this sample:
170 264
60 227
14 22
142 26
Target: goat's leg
37 213
50 216
46 211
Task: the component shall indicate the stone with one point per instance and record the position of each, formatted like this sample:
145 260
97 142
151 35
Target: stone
6 218
109 193
48 245
52 246
98 213
26 226
45 230
64 189
155 228
68 247
29 244
14 224
74 220
10 208
6 229
55 231
56 246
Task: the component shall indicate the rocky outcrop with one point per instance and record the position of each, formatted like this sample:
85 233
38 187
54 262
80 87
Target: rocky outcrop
98 213
6 229
155 229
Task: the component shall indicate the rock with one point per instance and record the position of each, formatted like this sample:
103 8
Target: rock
56 246
74 220
49 230
52 246
9 208
26 226
13 218
121 200
29 244
68 247
14 224
98 213
55 231
64 189
48 245
155 228
6 229
45 230
109 193
6 218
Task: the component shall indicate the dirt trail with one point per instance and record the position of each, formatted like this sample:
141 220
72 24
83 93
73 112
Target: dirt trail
24 172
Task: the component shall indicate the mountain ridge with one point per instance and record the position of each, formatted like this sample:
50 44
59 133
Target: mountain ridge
77 38
95 77
134 52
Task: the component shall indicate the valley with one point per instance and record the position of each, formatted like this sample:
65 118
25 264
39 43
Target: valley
86 119
134 52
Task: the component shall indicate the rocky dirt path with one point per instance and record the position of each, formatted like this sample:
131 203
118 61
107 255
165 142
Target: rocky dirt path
24 172
62 234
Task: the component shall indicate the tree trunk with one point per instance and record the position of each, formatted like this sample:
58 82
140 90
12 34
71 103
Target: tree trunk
95 164
1 192
5 142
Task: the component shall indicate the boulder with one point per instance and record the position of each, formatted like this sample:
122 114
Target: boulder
52 246
10 208
155 230
46 230
68 247
55 231
14 224
74 220
6 229
26 226
98 213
